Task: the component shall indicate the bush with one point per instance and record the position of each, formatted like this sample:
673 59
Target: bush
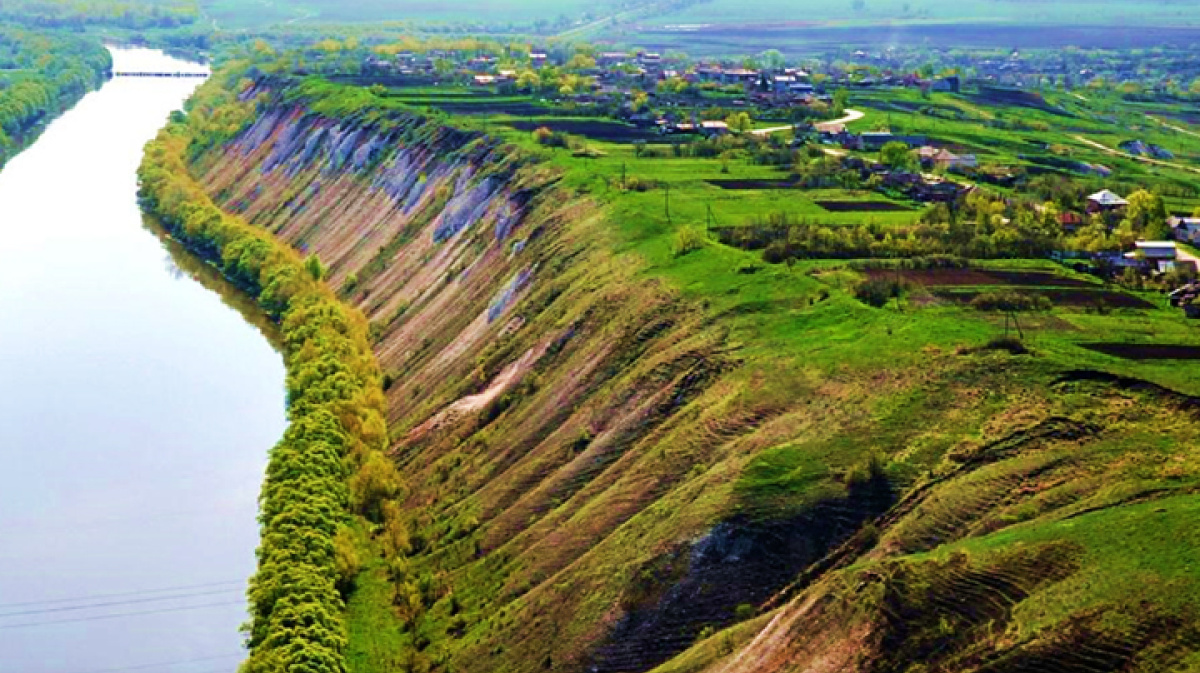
548 138
687 240
878 291
1010 301
635 184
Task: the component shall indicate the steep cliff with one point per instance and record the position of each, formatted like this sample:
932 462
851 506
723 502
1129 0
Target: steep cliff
608 471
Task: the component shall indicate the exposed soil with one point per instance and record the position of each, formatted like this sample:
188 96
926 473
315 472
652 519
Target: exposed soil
596 130
789 183
1146 351
981 277
863 207
1066 297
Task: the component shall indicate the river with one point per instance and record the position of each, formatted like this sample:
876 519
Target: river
136 411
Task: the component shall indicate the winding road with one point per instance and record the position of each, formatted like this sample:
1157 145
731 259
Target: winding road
851 116
1146 160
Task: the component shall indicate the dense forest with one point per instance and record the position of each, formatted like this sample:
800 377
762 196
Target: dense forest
40 76
76 14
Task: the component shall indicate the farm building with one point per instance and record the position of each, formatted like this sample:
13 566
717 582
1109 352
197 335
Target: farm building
1105 201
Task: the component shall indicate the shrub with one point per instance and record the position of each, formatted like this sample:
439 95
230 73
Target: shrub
1010 301
635 184
687 240
548 138
878 291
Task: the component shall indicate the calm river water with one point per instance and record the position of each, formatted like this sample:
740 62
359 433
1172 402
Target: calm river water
136 411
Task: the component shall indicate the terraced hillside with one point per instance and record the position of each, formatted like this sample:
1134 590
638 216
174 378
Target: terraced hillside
623 451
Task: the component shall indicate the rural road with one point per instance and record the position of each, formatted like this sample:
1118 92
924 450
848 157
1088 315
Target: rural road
851 116
1184 255
1174 127
1146 160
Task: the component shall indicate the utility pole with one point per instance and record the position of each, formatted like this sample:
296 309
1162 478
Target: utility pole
667 196
622 176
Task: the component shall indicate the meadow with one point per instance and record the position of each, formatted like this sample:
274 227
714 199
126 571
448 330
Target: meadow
261 13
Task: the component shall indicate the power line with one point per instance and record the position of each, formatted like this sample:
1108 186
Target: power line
110 604
142 667
98 618
141 592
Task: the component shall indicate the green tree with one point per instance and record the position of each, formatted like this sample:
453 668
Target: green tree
529 81
1147 215
841 98
375 482
581 62
773 59
896 155
315 268
739 122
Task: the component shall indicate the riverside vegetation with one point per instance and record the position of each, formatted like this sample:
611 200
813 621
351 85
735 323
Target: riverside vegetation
42 75
627 446
329 462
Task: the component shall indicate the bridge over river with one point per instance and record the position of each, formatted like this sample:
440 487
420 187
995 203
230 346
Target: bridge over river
160 74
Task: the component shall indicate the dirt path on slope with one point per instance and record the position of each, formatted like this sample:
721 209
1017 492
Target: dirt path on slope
1146 160
851 116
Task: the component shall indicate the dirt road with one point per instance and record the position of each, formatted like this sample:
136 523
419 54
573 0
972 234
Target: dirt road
1146 160
851 116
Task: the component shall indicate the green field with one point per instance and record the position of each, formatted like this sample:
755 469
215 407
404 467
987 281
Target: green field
260 13
733 12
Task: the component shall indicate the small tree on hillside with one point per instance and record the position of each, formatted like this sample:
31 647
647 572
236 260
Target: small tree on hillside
840 98
896 155
1146 215
739 122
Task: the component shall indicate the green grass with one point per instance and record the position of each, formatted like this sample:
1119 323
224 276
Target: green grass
1132 554
771 11
261 13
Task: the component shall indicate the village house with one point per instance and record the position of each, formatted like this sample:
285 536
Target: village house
1105 201
708 129
739 76
947 160
611 58
950 84
1159 256
1186 229
1071 222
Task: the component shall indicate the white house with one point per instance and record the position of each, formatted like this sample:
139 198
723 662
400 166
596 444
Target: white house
1105 200
1159 255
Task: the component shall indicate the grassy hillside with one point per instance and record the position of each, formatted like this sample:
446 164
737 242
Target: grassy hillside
628 446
